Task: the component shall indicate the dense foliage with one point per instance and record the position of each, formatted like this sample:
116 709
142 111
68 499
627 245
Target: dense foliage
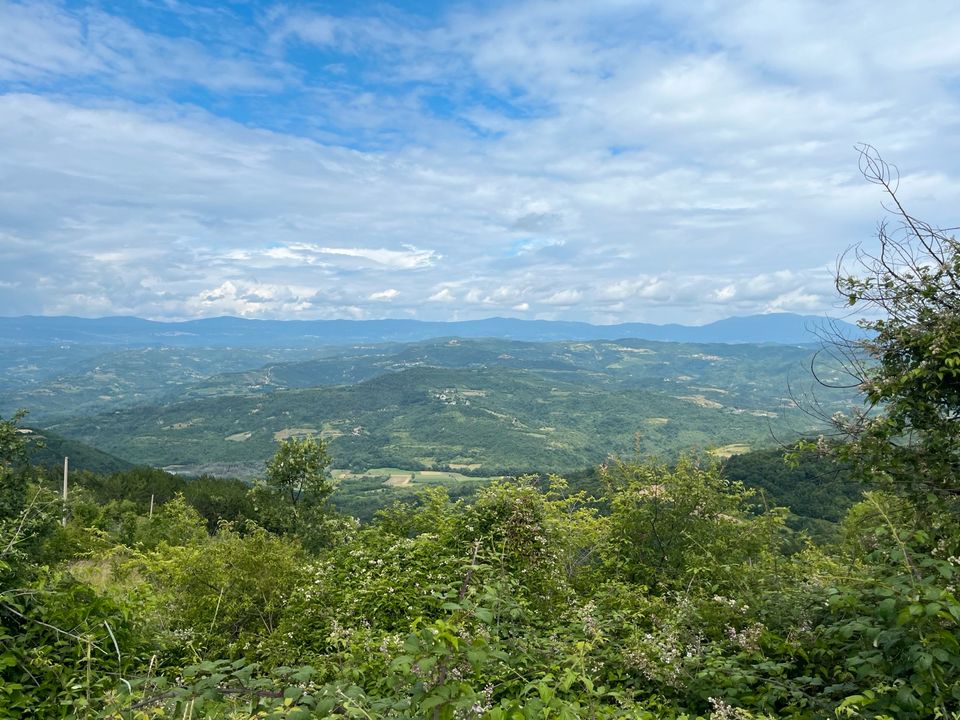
816 487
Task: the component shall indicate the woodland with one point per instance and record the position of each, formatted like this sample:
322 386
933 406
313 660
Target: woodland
644 589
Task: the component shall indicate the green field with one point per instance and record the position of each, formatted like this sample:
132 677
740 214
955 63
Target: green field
399 477
361 494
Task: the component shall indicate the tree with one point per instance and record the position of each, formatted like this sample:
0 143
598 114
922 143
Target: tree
684 526
13 452
13 444
909 432
24 516
227 593
299 469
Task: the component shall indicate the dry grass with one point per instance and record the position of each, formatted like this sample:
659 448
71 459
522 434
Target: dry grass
730 450
701 401
288 433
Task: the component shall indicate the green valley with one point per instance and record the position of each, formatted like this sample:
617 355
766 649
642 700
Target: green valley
487 406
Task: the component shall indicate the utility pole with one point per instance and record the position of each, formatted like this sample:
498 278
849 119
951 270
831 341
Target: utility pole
151 505
66 473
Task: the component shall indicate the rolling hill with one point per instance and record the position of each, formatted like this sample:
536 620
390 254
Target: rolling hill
481 405
487 406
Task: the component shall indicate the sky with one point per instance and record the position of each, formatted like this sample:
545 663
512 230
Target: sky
606 161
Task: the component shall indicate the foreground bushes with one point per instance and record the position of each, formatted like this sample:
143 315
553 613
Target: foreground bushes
681 601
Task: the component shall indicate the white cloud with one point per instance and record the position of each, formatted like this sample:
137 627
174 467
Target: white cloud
388 294
42 40
246 299
474 296
563 297
39 39
443 295
406 259
727 292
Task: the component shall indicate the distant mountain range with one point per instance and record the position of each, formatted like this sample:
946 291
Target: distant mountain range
30 330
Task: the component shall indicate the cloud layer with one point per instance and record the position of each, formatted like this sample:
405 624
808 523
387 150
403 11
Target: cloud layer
601 161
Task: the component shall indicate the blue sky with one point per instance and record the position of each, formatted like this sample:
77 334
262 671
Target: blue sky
606 161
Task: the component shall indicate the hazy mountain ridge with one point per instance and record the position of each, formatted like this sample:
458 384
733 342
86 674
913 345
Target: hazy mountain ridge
786 328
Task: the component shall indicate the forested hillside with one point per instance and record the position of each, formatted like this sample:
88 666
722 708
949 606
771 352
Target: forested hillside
487 406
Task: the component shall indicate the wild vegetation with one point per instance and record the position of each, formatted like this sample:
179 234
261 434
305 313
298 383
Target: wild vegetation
675 593
643 590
